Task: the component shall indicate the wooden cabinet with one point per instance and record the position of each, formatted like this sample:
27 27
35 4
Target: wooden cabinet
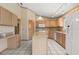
53 23
46 23
50 34
3 45
2 16
13 42
60 38
7 18
40 22
14 20
60 21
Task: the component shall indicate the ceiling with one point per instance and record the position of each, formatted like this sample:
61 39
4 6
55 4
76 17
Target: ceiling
49 9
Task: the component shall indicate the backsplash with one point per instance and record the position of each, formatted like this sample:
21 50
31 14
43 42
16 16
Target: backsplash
6 29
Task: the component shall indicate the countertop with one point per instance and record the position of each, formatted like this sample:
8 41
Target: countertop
60 32
40 43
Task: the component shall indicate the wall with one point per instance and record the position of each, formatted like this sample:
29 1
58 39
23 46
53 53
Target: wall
26 16
72 33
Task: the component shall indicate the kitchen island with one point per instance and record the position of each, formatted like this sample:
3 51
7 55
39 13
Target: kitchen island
40 43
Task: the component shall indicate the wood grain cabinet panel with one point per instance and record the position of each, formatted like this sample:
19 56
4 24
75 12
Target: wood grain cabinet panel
53 23
14 20
2 16
8 18
5 17
60 21
13 42
60 38
51 34
46 23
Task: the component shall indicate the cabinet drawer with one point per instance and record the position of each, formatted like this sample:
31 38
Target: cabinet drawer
12 42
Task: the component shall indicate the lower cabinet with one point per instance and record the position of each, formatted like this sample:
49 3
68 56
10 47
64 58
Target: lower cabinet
13 42
60 38
51 34
3 44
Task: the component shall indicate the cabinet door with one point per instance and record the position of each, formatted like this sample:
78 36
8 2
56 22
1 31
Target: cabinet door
8 18
60 22
2 16
46 23
14 20
12 42
64 38
53 23
3 44
51 34
5 18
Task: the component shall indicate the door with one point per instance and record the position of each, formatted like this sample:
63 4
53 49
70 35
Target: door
31 28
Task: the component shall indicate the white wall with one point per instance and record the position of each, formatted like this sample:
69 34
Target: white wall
26 16
72 36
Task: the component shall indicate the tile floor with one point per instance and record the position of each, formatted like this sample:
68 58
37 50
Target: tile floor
24 49
54 48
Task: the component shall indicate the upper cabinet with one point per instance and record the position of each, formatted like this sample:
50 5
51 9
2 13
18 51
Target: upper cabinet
7 18
47 23
14 20
61 21
53 23
57 22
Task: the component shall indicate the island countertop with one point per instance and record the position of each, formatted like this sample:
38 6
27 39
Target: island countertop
39 44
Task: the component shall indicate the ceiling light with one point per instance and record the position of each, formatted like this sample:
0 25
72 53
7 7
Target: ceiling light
40 18
77 20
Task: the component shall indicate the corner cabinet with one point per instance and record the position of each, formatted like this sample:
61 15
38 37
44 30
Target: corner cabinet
7 18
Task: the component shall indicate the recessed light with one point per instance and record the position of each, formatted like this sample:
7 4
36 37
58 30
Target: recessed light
77 20
40 18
